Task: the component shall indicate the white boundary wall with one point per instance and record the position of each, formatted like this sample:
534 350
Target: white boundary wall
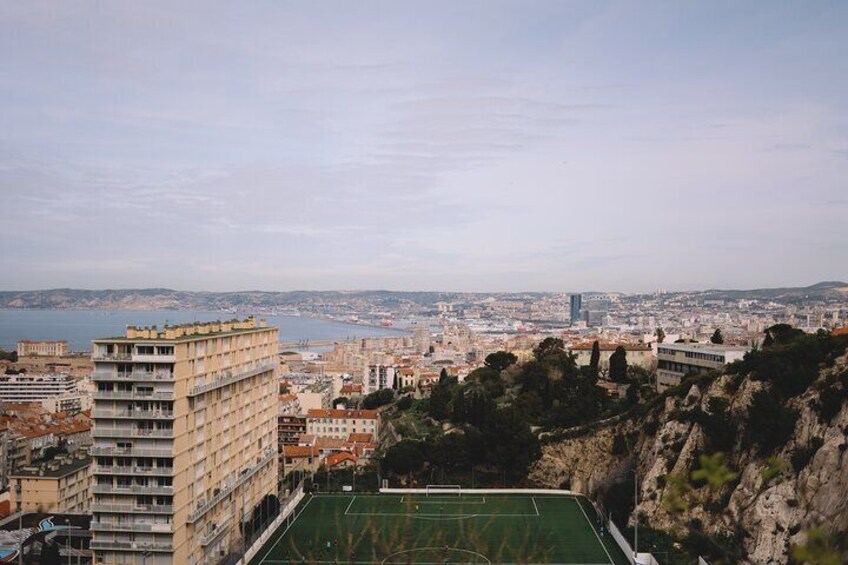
289 506
479 491
621 541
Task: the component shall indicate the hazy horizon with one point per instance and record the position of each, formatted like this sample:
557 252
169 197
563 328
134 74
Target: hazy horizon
476 146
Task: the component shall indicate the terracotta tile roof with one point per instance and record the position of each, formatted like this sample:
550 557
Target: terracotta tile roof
299 451
360 438
338 458
841 331
351 389
329 443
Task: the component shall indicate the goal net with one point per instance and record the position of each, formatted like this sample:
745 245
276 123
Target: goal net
455 490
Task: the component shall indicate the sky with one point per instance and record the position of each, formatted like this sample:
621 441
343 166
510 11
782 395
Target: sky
458 145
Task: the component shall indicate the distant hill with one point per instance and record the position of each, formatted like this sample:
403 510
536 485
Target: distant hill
822 290
168 299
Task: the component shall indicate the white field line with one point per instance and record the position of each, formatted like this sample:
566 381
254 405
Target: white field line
349 505
296 516
588 521
533 498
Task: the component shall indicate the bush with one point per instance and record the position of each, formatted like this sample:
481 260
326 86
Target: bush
378 398
405 403
830 403
801 456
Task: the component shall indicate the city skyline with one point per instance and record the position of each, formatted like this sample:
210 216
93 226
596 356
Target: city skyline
488 147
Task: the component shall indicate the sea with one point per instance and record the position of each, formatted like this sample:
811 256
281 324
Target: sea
80 327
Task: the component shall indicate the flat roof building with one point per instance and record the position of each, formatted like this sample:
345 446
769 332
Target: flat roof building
185 440
29 387
676 360
59 485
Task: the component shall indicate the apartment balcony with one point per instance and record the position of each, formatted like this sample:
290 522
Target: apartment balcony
204 505
109 526
121 433
113 545
133 414
210 536
154 358
133 489
133 508
230 378
140 376
133 395
123 356
132 451
129 470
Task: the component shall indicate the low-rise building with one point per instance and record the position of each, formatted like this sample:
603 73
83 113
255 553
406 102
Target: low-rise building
61 485
28 387
27 348
289 428
341 423
676 360
638 354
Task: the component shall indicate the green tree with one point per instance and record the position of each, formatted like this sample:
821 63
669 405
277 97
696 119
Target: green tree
500 360
717 338
714 471
660 333
595 359
618 365
509 443
378 398
443 375
404 457
769 422
821 548
440 399
548 346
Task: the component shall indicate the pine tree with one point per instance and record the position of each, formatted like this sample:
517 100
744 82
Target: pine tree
595 360
717 338
618 365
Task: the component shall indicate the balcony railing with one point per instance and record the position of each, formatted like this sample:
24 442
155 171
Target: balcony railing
229 379
132 451
130 433
97 356
220 528
133 395
129 470
131 545
134 489
203 506
133 414
108 526
133 508
132 376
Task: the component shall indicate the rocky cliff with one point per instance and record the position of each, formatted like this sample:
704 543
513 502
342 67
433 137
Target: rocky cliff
779 492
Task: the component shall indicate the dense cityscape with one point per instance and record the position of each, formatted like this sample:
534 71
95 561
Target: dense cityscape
97 435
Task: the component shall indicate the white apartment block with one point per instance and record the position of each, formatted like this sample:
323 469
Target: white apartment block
676 360
184 440
30 387
341 423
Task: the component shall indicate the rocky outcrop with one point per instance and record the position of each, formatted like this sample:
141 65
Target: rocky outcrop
768 515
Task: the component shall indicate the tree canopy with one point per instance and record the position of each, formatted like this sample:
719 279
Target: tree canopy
500 360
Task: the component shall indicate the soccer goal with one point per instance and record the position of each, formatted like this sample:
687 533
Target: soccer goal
444 489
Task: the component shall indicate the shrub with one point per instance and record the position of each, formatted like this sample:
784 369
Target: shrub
801 456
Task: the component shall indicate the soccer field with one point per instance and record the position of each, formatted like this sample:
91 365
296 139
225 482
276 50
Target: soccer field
439 529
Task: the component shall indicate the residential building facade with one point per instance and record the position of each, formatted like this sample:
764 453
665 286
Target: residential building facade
341 423
61 485
676 360
184 440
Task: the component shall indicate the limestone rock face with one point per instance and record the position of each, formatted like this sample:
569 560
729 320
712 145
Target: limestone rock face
770 516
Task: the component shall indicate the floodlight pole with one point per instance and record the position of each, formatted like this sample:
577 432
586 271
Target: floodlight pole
635 507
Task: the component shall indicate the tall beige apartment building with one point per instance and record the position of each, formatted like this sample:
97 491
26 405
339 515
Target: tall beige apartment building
184 440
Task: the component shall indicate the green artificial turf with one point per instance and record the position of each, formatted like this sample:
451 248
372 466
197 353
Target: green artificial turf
439 529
